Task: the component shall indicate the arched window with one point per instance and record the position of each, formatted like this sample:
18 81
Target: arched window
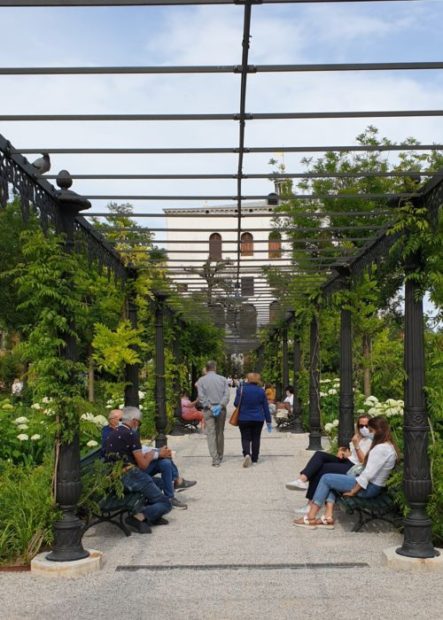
274 311
247 244
215 247
274 245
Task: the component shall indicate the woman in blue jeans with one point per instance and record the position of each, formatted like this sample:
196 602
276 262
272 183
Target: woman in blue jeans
378 464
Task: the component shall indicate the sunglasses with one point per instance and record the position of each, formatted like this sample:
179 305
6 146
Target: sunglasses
363 426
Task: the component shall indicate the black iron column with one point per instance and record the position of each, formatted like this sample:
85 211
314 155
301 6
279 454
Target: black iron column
132 370
314 387
177 387
260 358
161 420
285 365
417 541
346 406
296 423
69 529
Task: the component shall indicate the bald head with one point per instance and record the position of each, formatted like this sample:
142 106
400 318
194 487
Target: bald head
115 417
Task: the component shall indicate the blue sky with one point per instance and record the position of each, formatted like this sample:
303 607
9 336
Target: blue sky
346 32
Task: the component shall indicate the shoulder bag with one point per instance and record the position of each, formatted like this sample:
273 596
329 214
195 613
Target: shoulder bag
233 420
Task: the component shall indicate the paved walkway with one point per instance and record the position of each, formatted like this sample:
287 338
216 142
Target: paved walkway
194 568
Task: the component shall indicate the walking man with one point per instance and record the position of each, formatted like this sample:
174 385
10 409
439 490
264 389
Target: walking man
213 395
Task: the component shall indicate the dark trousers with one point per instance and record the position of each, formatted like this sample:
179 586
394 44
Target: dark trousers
323 463
250 438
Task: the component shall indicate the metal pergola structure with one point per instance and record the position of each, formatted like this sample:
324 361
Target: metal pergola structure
361 237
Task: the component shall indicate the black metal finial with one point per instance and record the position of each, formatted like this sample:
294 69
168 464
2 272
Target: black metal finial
64 180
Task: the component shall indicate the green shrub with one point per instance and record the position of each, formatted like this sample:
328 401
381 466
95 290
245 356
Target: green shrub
27 511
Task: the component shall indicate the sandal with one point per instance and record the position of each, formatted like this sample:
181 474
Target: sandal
304 521
326 523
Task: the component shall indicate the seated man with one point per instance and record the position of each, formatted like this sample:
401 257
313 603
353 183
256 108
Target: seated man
162 463
124 445
114 419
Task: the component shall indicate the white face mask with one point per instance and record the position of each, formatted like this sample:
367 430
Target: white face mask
365 432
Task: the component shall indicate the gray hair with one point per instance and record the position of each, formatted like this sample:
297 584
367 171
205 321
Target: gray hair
211 365
131 413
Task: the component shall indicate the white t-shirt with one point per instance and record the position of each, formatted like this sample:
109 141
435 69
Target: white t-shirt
364 444
381 462
289 399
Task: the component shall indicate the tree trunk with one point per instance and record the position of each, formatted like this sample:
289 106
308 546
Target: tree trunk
366 365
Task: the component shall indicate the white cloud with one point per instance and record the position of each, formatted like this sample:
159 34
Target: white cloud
208 35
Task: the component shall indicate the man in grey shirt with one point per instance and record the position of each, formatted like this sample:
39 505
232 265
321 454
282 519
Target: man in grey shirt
213 390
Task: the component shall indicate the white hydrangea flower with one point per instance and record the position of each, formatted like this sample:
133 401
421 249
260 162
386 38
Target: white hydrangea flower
323 394
89 417
22 437
325 380
100 420
374 411
36 406
371 400
49 412
92 443
332 391
121 406
36 437
140 407
335 423
141 395
328 427
21 420
361 411
46 400
22 427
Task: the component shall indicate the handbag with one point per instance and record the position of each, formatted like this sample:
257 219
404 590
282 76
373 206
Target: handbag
233 420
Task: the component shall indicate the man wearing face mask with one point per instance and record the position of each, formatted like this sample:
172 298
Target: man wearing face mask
324 463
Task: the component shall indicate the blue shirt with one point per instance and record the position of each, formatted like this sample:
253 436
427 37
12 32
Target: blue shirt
254 404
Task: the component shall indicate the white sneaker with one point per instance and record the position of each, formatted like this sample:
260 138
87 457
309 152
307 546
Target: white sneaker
247 462
297 485
303 510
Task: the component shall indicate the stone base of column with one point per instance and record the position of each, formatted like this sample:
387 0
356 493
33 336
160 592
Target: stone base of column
40 565
315 441
400 562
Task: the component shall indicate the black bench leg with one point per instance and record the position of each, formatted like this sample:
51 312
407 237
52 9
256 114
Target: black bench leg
122 526
360 523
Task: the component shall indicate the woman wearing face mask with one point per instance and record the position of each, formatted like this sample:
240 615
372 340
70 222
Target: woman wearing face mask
324 463
378 464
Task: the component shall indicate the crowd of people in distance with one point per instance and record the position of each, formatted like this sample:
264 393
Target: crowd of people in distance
361 468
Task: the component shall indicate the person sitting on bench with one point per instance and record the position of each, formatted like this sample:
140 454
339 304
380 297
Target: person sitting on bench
114 419
288 403
322 463
378 464
189 413
124 445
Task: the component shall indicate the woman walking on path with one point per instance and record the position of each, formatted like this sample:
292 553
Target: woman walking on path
254 410
378 464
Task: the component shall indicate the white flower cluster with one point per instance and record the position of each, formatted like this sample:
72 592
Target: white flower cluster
332 390
330 426
98 420
21 420
92 444
388 408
